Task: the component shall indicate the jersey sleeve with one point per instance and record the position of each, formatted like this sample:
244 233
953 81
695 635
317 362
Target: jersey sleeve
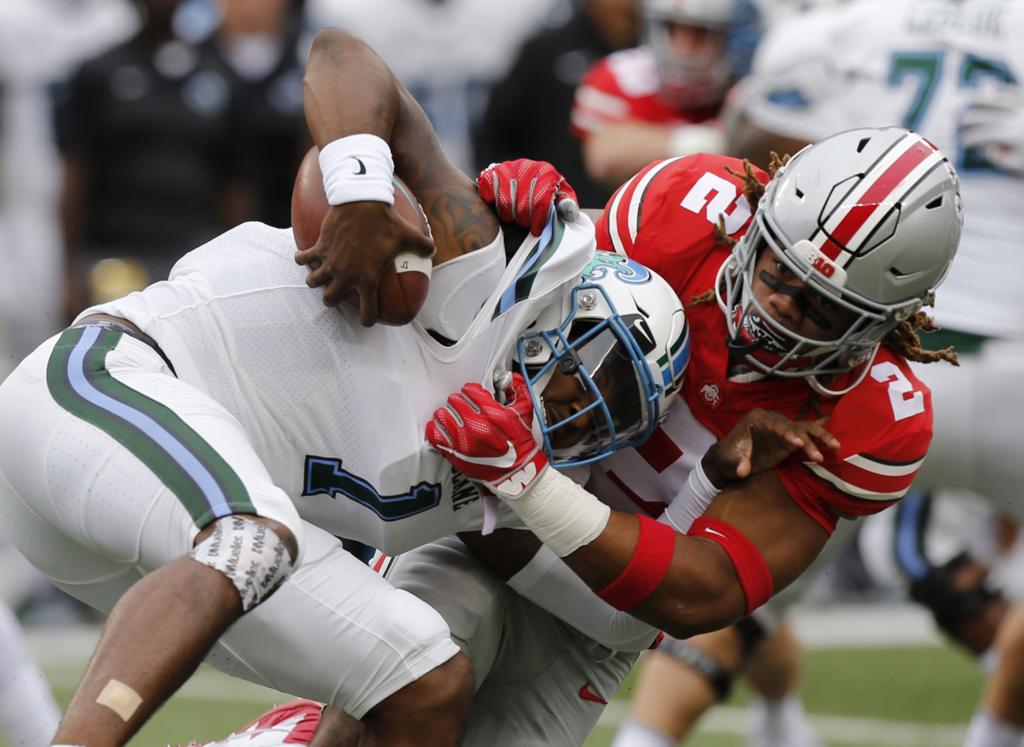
666 215
598 101
884 427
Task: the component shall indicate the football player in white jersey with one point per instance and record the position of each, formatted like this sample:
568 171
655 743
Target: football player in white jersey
954 71
186 457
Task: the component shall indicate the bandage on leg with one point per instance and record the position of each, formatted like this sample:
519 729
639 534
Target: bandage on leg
119 698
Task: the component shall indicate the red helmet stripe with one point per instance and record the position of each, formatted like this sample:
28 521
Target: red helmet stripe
874 197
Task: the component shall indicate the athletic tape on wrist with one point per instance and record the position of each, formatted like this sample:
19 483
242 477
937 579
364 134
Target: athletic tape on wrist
646 568
561 513
755 578
357 168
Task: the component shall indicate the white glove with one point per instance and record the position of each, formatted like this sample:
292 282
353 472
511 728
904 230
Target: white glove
994 123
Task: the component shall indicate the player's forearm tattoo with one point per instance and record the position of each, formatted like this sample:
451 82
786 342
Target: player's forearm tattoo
460 219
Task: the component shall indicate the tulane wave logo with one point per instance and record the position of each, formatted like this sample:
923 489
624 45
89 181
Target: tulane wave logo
621 267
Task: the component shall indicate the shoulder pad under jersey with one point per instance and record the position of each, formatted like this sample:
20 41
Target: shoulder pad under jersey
884 426
665 216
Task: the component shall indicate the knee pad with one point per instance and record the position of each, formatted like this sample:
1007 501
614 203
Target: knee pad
704 664
751 632
249 554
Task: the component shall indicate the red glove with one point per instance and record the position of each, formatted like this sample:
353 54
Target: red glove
523 191
490 442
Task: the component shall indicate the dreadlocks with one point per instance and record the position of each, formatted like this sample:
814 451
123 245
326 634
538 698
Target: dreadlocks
902 339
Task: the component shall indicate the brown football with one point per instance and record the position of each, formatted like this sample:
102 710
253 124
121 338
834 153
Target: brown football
403 289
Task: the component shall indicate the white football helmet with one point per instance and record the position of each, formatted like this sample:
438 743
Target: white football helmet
870 219
693 80
623 334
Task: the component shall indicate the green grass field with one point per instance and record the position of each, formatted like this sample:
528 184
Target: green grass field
904 697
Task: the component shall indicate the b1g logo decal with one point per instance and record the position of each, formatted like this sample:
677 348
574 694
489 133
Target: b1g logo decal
325 476
825 267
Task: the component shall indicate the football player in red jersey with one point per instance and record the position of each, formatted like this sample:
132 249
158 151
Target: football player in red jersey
813 312
663 98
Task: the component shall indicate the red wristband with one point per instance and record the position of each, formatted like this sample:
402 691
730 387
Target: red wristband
646 568
755 578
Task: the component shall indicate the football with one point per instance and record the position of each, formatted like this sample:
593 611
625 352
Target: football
403 288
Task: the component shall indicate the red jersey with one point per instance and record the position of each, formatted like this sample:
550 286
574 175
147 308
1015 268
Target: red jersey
625 85
665 217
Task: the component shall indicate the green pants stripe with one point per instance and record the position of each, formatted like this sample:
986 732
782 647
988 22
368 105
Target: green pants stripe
78 380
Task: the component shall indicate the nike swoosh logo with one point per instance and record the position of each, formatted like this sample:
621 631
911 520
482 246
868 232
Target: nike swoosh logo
709 530
508 459
362 167
587 694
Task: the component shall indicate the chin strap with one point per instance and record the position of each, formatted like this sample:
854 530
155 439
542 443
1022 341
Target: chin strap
821 389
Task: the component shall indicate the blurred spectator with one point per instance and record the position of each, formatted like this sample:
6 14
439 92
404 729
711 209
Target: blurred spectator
263 44
448 53
528 111
662 99
40 40
144 132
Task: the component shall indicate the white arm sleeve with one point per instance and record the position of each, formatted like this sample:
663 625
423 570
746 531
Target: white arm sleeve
553 586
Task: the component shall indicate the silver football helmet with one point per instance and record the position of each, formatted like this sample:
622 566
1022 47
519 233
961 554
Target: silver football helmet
690 79
622 334
868 218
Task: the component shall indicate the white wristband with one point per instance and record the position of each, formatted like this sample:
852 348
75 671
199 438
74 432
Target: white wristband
357 168
695 138
691 501
561 513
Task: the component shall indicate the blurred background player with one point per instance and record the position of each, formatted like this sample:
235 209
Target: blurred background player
663 98
528 109
40 42
265 44
152 105
953 71
954 554
193 105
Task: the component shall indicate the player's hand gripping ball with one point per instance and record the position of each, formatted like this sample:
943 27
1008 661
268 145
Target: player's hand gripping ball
490 442
403 286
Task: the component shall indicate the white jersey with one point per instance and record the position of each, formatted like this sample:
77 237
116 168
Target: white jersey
647 479
337 411
917 64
